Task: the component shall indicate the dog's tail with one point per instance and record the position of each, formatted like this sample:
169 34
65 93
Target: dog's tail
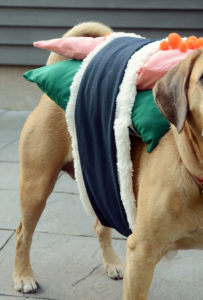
91 29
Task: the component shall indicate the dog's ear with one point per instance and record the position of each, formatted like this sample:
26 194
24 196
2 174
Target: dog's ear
170 92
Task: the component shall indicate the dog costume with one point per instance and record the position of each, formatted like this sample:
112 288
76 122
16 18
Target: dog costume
120 55
102 96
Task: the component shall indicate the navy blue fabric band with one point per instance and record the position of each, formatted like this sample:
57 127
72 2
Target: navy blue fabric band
94 117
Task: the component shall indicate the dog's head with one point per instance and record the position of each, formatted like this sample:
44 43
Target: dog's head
179 94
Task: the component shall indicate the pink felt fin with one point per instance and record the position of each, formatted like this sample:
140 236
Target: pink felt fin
72 47
157 66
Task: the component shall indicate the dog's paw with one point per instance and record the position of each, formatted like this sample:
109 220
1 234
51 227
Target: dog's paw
26 285
114 271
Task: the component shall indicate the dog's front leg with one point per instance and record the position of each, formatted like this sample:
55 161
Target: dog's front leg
140 263
155 231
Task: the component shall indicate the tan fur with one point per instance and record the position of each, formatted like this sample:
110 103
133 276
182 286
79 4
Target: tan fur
170 207
45 149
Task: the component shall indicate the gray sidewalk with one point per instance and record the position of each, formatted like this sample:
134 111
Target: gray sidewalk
65 254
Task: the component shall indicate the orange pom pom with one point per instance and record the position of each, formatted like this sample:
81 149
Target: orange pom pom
183 46
107 34
164 45
191 42
199 42
192 37
174 40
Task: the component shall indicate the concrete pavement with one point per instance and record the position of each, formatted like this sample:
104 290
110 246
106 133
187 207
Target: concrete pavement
65 254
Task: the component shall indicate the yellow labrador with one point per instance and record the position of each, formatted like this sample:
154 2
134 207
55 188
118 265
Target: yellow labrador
166 185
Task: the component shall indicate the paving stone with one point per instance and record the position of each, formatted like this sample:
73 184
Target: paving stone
11 124
9 174
62 265
2 111
10 209
60 215
10 153
71 268
4 237
6 297
66 184
63 214
179 278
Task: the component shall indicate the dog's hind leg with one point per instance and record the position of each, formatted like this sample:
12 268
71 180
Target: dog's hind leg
34 191
43 147
112 263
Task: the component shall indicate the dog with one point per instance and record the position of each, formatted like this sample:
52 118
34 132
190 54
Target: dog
167 183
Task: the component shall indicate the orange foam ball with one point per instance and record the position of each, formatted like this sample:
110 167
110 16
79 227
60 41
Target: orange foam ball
191 42
199 42
107 34
183 46
164 45
174 40
193 37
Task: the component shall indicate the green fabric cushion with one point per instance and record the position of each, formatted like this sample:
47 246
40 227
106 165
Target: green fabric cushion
148 120
55 80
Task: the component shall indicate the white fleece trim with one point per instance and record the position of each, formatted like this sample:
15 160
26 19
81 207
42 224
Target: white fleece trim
70 118
125 101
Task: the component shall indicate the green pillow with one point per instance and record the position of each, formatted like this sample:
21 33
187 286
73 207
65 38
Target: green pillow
55 80
150 124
